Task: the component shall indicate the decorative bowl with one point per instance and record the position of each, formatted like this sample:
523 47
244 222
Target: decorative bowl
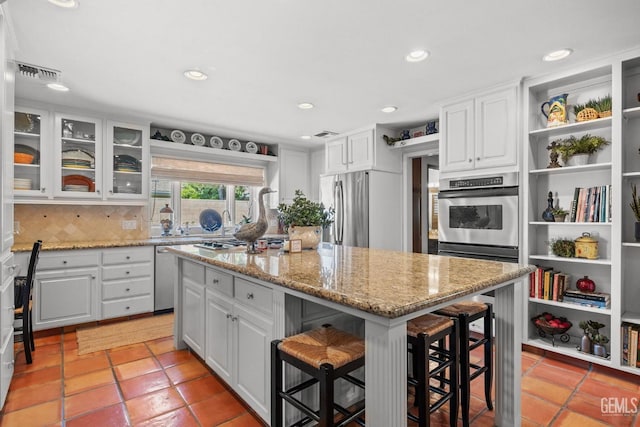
542 324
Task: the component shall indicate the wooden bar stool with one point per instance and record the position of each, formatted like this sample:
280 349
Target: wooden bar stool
432 355
467 312
326 354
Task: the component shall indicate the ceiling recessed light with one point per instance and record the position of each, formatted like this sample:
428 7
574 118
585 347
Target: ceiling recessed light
195 75
389 109
67 4
305 106
557 55
417 55
57 86
306 137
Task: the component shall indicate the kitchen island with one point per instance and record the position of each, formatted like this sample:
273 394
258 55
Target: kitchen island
383 288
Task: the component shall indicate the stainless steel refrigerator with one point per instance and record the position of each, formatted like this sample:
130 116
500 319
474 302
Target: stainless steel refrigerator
367 209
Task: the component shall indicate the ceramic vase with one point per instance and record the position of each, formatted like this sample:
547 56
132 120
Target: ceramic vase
585 344
310 235
547 214
578 160
600 350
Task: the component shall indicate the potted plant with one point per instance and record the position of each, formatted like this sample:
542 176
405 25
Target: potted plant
562 247
559 214
305 219
635 207
597 339
603 106
572 148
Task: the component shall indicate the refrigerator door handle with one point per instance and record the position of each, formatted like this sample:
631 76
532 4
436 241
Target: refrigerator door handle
339 223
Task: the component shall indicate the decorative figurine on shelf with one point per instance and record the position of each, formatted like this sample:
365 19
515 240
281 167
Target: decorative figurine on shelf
389 140
432 127
405 135
251 232
553 155
547 214
166 220
557 112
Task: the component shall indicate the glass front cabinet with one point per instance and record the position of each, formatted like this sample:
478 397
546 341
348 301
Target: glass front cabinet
126 161
30 153
78 157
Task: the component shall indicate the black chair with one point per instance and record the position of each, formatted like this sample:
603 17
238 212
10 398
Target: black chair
23 290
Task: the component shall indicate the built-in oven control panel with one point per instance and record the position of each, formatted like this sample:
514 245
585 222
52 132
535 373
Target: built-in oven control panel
502 180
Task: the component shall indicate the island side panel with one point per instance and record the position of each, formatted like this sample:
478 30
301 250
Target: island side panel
508 314
178 342
386 374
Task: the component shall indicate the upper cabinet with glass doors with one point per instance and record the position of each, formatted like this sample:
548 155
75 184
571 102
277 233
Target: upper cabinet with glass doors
126 161
78 156
30 153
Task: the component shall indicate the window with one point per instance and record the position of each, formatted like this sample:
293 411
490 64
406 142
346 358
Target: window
189 199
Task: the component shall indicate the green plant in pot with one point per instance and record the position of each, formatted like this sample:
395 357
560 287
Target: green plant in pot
304 219
559 214
585 145
563 247
598 340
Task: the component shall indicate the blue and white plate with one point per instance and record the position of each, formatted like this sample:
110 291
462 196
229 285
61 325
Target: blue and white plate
210 220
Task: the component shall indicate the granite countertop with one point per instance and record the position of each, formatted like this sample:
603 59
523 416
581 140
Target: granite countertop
386 283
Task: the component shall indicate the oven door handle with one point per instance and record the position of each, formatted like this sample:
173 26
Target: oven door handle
486 192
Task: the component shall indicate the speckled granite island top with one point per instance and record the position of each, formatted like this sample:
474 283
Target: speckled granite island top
386 283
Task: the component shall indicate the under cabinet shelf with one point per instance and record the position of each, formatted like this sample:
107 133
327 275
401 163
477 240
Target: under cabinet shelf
186 150
571 260
631 174
421 140
26 165
631 113
631 244
606 311
27 135
79 141
572 169
631 317
573 127
569 223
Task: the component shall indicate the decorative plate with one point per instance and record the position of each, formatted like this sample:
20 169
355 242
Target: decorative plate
178 136
79 180
19 148
251 147
210 220
216 142
126 163
197 139
123 136
234 145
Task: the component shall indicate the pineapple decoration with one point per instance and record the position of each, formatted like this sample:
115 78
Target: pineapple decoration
593 109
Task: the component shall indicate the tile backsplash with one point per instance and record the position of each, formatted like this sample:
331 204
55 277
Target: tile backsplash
74 223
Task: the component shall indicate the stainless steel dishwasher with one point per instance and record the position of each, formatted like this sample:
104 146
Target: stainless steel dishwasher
164 276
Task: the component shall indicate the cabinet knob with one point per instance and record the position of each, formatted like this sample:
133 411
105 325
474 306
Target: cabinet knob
64 261
126 272
127 308
93 276
470 160
477 158
228 315
43 190
128 257
216 281
110 191
98 191
250 295
12 268
127 290
234 318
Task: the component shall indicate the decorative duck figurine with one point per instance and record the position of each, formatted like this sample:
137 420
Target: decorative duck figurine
253 231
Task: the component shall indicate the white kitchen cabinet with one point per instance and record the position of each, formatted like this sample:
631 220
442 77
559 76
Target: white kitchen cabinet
219 331
126 168
31 131
481 132
65 297
363 149
127 281
293 174
77 157
193 303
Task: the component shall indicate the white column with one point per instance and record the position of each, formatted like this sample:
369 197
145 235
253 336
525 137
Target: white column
386 374
508 312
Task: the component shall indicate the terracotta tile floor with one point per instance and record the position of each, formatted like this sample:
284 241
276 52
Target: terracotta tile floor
152 384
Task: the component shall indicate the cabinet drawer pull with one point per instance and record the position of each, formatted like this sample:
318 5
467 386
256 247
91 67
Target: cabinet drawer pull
128 257
93 276
234 318
250 295
127 290
216 281
228 315
126 272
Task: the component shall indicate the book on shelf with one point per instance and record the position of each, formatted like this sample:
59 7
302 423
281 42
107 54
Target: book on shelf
624 350
633 345
595 296
591 204
547 284
585 302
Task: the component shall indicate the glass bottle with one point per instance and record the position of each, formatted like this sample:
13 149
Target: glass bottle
547 214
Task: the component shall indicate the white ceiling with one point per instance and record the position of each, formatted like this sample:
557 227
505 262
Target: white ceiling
264 57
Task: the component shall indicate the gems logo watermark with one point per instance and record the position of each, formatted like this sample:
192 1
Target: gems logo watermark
621 406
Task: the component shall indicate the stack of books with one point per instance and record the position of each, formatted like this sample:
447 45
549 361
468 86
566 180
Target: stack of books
630 345
592 204
589 299
545 283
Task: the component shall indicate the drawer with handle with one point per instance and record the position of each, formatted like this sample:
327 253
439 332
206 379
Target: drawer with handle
129 255
126 307
254 295
127 288
67 259
219 281
125 271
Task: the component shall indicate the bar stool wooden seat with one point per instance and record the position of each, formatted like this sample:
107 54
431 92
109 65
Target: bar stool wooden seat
326 354
467 312
433 354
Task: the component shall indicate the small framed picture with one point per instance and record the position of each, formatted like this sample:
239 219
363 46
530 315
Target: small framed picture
295 245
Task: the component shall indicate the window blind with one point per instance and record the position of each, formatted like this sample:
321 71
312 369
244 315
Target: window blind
217 173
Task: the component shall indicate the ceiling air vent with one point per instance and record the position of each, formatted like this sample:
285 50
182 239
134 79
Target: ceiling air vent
46 75
325 134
